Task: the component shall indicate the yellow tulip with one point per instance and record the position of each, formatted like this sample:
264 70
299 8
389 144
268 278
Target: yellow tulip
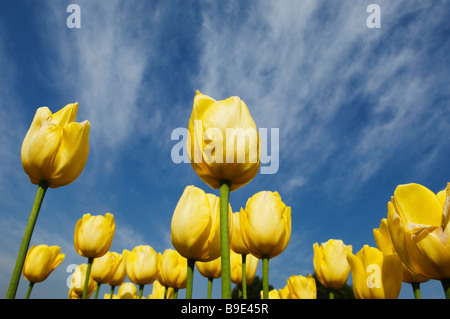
284 292
127 290
301 287
236 241
142 264
210 269
120 273
375 275
78 282
104 267
94 235
251 263
330 263
384 243
173 272
55 148
40 261
159 291
418 226
195 228
265 224
223 142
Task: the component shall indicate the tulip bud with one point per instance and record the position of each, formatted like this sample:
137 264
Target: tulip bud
104 267
301 287
142 264
330 263
195 228
173 272
210 269
40 261
78 281
375 275
236 268
127 290
94 235
55 148
120 273
223 142
265 224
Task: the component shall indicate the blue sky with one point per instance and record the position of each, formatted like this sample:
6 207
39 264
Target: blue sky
359 111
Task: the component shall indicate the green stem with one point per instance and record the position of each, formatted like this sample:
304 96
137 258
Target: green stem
265 262
330 295
210 282
416 290
97 290
446 286
190 277
141 291
225 239
244 276
175 293
111 294
14 283
88 274
29 290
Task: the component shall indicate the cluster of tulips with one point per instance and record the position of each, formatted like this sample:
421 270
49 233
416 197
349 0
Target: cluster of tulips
224 148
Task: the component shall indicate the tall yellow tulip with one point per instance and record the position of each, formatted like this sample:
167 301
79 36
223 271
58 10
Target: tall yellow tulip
54 153
93 237
375 275
384 243
127 290
223 141
40 261
224 149
301 287
266 228
143 265
418 225
55 148
119 274
330 263
173 272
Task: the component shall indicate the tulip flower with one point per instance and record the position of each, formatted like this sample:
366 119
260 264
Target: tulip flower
173 272
211 270
418 225
104 268
40 261
195 228
159 291
79 278
265 225
119 274
54 153
375 275
93 237
331 265
301 287
224 149
127 290
243 270
384 243
143 265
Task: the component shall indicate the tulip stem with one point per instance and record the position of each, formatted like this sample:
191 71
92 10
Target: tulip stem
210 282
29 290
175 293
97 290
225 239
416 290
331 294
446 286
265 262
141 291
111 294
88 274
244 276
190 277
14 283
